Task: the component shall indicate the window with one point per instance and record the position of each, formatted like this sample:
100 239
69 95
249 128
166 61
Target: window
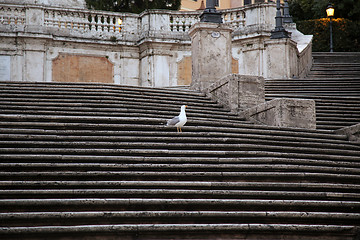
246 2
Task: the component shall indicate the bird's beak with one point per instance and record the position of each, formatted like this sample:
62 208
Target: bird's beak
185 106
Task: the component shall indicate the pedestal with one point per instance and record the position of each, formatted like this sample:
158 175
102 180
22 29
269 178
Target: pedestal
211 53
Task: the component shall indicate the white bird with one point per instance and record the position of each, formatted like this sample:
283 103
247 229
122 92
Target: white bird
178 121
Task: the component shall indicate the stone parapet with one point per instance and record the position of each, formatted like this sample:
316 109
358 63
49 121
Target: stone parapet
352 132
236 92
284 112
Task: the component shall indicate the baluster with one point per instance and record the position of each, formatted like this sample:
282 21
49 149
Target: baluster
187 23
12 17
101 26
23 16
78 21
226 17
107 23
112 24
93 23
177 22
7 19
171 23
85 22
182 23
57 18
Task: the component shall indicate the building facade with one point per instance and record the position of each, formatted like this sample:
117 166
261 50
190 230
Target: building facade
192 5
55 42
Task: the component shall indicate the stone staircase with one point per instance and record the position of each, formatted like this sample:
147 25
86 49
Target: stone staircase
334 84
90 161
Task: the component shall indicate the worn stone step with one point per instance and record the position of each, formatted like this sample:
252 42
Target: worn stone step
186 175
36 139
97 87
211 133
17 168
115 112
99 90
170 231
123 147
165 141
150 204
176 193
336 57
24 120
84 96
167 217
332 189
316 148
245 150
99 162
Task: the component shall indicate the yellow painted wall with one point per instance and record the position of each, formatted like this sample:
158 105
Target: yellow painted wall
191 5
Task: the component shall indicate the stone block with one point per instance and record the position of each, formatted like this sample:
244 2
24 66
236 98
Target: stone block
284 112
352 132
236 92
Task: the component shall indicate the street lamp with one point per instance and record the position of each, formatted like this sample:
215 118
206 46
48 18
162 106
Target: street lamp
279 31
330 13
210 14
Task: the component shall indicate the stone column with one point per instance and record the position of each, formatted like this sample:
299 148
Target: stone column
211 53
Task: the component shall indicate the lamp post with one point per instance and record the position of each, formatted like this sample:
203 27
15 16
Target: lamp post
210 14
330 14
287 17
279 31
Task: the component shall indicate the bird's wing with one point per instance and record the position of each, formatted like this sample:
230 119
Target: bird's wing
173 121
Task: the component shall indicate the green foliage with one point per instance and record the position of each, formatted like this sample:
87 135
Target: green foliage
346 34
313 9
133 6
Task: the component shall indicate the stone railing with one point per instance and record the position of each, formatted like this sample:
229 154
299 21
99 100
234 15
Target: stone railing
12 15
76 21
106 25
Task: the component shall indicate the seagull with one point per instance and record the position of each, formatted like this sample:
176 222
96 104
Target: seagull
178 121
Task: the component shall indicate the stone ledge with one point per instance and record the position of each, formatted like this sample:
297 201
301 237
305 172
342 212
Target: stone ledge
284 112
236 92
352 132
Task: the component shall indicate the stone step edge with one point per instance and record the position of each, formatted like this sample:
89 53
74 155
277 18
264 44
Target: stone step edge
101 86
79 160
35 136
315 186
174 193
102 167
170 148
178 153
196 132
175 144
21 216
185 228
182 175
175 202
118 122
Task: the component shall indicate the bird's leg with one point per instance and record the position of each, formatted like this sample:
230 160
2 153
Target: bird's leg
177 128
180 130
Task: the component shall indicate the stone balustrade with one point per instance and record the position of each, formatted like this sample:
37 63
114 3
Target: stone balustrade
12 15
107 24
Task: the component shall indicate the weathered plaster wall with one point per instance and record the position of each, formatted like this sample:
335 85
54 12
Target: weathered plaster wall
77 68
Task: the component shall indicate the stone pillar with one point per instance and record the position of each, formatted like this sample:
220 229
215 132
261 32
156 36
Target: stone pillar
211 53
